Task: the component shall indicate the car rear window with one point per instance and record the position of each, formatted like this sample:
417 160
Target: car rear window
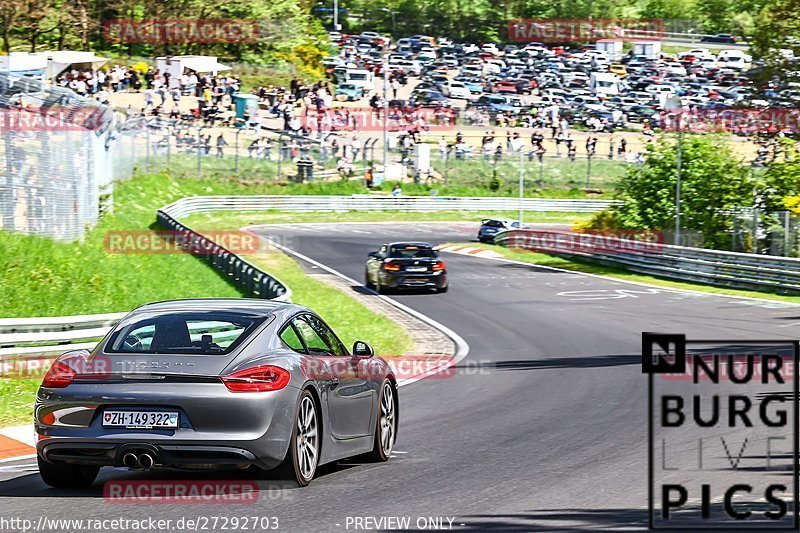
210 333
493 224
409 251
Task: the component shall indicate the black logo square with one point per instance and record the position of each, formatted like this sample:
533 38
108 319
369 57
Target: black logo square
663 353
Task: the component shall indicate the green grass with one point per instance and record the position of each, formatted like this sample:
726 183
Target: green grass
221 220
555 178
553 174
536 258
18 395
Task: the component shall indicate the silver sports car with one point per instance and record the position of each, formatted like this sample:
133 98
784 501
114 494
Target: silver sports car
214 383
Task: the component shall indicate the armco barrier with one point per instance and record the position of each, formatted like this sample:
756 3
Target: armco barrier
254 281
713 267
365 202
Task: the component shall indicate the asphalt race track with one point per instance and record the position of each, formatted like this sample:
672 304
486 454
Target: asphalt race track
542 428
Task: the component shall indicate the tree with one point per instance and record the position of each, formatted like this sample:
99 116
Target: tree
777 40
712 183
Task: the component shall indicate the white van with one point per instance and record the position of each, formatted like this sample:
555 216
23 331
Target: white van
360 77
605 83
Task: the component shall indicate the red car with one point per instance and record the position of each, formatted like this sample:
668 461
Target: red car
505 87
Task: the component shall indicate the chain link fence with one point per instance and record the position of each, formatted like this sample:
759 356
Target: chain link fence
54 162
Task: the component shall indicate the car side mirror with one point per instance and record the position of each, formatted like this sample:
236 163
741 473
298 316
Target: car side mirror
362 349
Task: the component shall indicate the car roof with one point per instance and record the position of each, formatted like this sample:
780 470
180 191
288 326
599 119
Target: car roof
410 243
246 306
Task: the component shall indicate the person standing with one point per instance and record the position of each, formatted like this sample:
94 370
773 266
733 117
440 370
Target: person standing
149 95
221 143
369 177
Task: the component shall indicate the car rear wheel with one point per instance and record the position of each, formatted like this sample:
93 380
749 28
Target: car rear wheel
64 476
303 455
380 289
386 426
443 289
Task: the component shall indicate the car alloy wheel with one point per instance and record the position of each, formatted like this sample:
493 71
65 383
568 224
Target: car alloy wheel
307 438
387 420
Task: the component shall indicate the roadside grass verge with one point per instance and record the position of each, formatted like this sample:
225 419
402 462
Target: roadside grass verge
18 396
536 258
554 178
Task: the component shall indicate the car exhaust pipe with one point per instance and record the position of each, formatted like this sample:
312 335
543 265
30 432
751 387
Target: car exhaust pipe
146 461
130 460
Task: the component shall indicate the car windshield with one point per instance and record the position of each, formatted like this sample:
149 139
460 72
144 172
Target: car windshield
410 251
209 333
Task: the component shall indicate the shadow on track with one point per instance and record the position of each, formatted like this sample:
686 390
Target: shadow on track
590 361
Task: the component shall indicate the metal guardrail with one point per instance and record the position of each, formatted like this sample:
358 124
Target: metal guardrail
713 267
254 281
364 202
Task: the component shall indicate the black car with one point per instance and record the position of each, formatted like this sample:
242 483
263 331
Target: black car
724 38
405 265
429 98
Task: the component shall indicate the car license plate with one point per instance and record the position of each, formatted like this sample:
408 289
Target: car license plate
140 419
416 269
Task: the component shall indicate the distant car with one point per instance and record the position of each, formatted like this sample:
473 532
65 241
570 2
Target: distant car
505 87
619 70
405 265
349 92
213 383
429 98
456 89
491 226
725 38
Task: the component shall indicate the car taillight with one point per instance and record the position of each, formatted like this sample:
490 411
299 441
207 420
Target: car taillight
391 266
257 379
438 265
59 375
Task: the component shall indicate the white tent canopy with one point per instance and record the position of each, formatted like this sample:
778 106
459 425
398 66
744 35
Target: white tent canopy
61 60
177 65
202 64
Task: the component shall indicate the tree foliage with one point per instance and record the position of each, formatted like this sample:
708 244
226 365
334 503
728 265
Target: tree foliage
777 40
713 181
286 28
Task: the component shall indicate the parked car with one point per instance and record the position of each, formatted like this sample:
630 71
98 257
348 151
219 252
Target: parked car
213 383
348 92
405 265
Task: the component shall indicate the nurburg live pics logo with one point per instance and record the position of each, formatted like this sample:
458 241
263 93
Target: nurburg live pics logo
722 433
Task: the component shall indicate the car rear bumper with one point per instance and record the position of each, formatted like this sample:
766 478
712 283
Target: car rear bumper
168 455
244 428
410 281
266 452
